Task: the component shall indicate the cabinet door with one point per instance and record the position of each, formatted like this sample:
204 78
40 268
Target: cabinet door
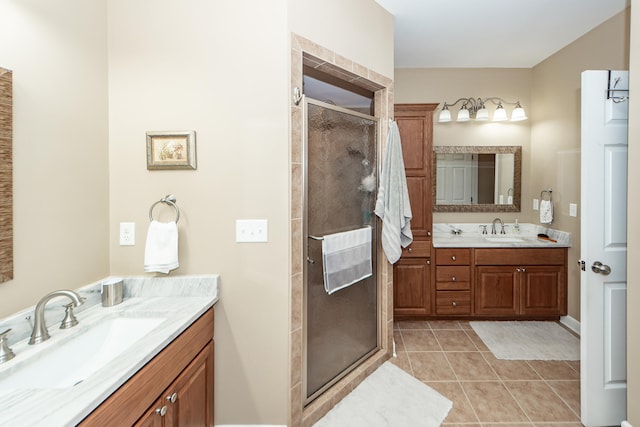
155 416
496 291
543 291
190 397
415 123
412 287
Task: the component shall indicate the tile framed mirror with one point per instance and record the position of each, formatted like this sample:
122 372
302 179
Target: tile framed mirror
6 175
477 178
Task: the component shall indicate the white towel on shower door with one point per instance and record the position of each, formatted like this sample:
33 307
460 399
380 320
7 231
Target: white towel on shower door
393 206
346 258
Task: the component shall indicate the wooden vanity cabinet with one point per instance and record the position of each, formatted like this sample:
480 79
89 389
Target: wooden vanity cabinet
526 282
453 282
412 281
174 389
412 273
184 403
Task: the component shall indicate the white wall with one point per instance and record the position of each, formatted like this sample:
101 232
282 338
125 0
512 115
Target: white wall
58 54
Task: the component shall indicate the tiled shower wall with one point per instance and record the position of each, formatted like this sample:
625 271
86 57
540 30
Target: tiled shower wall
306 52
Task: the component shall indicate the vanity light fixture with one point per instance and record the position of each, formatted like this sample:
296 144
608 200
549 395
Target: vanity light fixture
474 108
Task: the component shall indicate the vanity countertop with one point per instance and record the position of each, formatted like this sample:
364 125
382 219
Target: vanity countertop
179 301
472 237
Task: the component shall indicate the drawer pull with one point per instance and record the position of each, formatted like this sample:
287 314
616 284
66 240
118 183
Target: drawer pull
453 257
453 303
453 279
162 411
172 398
428 262
410 250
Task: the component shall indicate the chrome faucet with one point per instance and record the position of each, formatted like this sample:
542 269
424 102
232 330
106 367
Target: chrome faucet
40 332
493 226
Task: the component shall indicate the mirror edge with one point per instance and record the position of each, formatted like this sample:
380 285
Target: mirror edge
487 149
6 174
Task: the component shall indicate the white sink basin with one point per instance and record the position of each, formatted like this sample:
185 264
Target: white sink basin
505 239
77 358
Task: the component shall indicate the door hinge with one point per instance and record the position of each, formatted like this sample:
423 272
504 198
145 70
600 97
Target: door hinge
582 265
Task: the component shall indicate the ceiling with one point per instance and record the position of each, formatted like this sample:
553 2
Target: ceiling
490 33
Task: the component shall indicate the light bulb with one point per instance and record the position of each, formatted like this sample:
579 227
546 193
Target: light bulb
518 114
463 115
445 115
500 114
482 114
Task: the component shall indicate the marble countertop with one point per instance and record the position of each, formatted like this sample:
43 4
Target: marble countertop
472 237
177 300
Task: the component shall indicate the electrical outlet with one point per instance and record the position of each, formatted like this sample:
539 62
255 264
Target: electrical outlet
127 233
535 204
252 230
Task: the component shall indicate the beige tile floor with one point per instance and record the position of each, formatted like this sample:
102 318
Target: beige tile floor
485 391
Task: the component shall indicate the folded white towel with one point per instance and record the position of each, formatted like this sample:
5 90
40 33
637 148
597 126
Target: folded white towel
393 206
546 211
346 258
161 249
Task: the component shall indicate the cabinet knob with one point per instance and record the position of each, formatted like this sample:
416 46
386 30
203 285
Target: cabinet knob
453 279
410 250
429 262
162 411
453 257
172 398
455 304
429 233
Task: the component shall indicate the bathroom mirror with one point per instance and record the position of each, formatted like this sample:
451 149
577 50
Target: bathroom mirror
476 178
6 184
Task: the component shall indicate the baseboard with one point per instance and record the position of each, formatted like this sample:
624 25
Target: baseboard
571 323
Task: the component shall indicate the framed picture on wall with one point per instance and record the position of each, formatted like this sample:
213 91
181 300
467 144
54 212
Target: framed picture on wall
171 150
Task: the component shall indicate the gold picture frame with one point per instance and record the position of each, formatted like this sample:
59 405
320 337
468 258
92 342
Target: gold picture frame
171 150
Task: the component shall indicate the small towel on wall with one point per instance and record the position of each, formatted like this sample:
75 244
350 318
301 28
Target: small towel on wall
346 258
393 206
161 249
546 211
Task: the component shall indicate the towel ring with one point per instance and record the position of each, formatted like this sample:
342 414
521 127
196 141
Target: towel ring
169 200
548 192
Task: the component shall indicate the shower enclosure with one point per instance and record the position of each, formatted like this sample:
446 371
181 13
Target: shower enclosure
340 186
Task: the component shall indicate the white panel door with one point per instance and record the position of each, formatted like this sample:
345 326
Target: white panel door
603 236
455 179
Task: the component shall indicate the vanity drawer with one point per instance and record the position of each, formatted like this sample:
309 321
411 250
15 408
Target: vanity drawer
453 302
418 249
452 274
521 256
455 256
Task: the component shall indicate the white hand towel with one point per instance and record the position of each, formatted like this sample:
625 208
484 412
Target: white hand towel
346 258
161 249
546 212
393 206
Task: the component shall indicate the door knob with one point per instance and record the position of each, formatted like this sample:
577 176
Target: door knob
599 267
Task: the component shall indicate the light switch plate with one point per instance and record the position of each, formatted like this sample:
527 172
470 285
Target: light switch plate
252 231
535 204
127 233
573 209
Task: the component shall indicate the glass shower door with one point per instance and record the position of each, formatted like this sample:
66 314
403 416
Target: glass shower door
341 329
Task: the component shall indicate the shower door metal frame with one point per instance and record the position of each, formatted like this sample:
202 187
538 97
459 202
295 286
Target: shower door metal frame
305 223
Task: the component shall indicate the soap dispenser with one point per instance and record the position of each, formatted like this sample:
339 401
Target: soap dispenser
516 227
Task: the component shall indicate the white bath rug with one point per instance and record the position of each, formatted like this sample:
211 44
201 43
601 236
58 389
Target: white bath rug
526 340
389 397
